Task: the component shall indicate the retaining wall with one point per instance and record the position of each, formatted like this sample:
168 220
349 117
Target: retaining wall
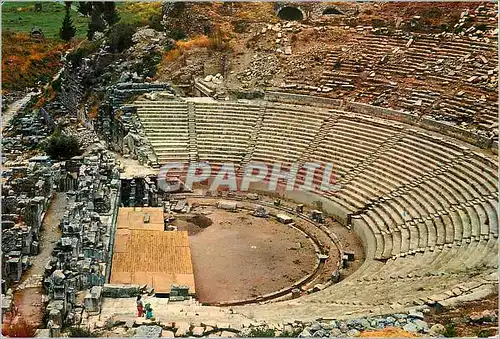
299 99
308 198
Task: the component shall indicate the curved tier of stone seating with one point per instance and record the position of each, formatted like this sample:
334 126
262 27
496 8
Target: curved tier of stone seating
166 126
425 207
350 142
223 130
286 132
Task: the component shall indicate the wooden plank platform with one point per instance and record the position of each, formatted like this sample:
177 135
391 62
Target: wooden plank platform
151 256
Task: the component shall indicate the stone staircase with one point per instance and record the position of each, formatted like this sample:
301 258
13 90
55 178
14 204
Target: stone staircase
253 137
385 146
193 145
323 131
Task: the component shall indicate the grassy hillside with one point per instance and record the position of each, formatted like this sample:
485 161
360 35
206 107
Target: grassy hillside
26 62
21 17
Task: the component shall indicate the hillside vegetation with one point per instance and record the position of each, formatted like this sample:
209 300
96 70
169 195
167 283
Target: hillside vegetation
27 62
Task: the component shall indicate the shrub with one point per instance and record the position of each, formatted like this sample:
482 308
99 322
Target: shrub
294 334
68 30
450 330
60 146
149 64
110 14
120 37
240 26
432 12
96 24
83 51
84 7
56 84
261 333
80 332
482 27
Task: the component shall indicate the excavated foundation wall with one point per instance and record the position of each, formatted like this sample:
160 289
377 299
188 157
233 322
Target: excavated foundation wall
299 99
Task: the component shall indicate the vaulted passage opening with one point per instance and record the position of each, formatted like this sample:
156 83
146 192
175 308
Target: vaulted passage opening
290 14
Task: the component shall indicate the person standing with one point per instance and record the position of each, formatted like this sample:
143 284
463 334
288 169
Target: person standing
140 306
149 311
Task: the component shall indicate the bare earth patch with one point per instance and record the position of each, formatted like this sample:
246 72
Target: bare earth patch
240 256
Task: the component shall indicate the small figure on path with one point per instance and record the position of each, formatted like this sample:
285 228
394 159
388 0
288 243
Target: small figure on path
149 311
140 306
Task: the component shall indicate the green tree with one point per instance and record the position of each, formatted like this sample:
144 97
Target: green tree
84 7
67 30
96 23
60 146
110 13
120 37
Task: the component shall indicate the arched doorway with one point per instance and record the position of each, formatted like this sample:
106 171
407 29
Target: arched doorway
290 13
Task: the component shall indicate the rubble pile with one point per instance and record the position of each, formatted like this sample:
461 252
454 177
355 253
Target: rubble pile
25 132
479 24
412 322
81 258
27 192
260 72
140 191
388 70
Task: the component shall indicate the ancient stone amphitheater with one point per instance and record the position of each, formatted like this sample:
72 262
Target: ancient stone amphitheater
423 202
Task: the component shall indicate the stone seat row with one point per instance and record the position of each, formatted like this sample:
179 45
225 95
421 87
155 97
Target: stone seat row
445 260
441 188
423 200
457 226
225 115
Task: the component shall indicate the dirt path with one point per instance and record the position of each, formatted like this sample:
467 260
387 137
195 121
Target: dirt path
50 233
15 107
28 293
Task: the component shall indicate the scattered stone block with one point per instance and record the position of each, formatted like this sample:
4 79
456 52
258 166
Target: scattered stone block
437 330
167 334
154 331
227 334
120 291
198 331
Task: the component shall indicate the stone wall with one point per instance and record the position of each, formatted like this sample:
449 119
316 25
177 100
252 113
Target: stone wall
299 99
27 192
120 92
81 257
